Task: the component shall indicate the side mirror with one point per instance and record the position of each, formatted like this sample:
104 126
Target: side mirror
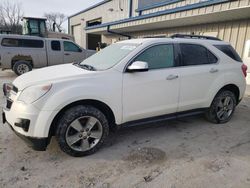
138 66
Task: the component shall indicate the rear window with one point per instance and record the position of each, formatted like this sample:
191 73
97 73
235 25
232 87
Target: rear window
229 51
25 43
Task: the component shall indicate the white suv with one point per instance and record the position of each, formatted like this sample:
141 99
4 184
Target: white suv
130 82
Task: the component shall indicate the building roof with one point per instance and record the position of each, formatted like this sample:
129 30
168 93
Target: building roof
89 8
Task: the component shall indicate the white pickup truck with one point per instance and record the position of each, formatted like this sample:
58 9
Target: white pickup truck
23 53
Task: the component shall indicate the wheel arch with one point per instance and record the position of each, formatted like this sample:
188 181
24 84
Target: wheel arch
108 112
25 58
234 89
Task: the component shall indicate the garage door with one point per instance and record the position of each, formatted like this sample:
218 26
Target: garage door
77 34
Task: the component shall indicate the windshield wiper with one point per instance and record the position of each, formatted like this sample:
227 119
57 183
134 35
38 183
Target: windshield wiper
87 67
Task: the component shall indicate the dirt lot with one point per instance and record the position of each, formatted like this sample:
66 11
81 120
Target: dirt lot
185 153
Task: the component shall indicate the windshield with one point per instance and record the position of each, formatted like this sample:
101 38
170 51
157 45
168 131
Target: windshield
109 56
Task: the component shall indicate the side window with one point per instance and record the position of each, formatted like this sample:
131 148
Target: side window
9 42
157 57
27 43
193 54
229 51
55 45
71 47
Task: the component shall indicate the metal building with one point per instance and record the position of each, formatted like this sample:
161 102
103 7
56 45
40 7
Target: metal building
113 20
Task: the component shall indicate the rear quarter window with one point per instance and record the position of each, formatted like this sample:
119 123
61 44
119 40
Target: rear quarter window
195 54
229 51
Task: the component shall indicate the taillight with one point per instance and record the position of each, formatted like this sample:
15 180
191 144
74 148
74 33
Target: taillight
244 69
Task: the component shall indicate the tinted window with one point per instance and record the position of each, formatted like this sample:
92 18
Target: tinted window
31 43
11 42
71 47
193 54
161 56
55 45
229 51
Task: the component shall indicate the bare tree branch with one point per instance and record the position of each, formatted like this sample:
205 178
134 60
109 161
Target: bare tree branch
57 18
10 16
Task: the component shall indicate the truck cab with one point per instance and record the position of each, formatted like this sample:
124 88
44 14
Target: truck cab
23 53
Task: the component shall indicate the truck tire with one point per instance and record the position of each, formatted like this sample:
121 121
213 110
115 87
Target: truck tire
82 130
222 107
21 67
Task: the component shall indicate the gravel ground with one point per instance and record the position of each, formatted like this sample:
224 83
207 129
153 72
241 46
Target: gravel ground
186 153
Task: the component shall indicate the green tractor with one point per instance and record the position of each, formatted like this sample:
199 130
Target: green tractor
37 27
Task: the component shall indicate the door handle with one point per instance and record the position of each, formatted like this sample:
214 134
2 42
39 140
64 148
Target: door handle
66 54
213 70
172 77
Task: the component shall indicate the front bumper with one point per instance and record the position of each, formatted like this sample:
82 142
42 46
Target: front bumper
38 144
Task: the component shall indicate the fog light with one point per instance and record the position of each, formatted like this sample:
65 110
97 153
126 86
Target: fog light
24 124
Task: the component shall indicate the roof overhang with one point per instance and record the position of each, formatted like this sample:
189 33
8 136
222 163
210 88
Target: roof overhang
222 16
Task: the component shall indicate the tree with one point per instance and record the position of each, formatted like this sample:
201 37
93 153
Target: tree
56 19
10 16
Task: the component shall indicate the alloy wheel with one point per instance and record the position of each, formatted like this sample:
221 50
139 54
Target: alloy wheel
225 108
84 133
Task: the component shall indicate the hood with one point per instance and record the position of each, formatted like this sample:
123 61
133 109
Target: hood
49 75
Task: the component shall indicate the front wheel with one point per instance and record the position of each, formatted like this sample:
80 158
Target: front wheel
222 107
82 130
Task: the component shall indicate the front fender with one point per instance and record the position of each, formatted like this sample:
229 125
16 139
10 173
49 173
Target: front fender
62 95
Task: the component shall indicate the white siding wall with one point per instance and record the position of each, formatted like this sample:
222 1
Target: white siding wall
120 11
76 31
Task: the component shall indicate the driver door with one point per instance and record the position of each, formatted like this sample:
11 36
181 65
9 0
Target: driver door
156 91
72 53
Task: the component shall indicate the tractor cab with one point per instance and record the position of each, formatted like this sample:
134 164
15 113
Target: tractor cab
34 26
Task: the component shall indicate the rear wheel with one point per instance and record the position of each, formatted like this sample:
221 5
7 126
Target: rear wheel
82 130
222 107
21 67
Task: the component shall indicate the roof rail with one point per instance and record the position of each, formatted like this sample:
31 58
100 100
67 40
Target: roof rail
194 37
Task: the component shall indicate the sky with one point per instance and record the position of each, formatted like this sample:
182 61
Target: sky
37 8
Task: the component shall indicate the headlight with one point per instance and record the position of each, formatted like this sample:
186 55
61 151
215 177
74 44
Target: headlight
33 93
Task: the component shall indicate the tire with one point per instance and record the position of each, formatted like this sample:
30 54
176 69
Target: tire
222 107
21 67
82 130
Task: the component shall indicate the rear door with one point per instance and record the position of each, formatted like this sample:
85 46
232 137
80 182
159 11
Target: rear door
55 52
72 52
199 72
